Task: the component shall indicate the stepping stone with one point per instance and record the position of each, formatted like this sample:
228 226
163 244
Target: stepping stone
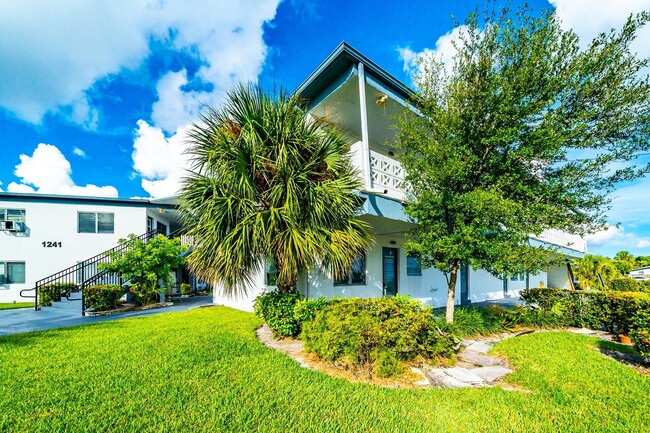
490 374
440 379
480 347
464 375
467 343
425 380
480 360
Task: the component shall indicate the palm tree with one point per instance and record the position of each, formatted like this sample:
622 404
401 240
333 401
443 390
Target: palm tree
591 268
269 182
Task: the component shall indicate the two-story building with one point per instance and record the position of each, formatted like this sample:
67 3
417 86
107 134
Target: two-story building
355 94
41 235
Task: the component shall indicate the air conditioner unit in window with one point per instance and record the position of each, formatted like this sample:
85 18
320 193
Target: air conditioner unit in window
12 226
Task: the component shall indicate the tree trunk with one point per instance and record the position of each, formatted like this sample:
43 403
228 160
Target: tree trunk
451 292
289 287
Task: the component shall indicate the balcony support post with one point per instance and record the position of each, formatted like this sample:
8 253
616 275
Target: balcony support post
365 147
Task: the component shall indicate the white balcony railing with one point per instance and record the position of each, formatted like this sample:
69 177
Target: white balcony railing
388 174
563 239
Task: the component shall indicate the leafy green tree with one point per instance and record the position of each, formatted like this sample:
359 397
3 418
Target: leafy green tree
519 136
591 268
269 182
148 266
642 261
625 262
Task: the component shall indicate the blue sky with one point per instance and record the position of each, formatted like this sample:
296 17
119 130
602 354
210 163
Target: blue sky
95 96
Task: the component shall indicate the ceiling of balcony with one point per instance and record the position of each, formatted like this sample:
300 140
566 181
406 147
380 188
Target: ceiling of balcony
341 108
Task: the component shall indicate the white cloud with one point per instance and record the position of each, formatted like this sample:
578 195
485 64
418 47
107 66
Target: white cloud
606 236
159 160
174 106
51 55
414 62
588 18
47 171
643 243
79 152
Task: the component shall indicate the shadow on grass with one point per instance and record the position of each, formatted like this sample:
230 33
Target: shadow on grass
622 353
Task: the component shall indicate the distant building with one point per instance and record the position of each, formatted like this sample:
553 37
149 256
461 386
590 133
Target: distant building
640 273
42 235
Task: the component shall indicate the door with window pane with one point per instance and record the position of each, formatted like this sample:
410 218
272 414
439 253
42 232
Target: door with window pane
389 265
464 284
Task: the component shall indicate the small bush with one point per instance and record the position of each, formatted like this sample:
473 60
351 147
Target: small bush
534 318
360 332
53 292
640 333
387 365
277 310
103 297
185 289
471 321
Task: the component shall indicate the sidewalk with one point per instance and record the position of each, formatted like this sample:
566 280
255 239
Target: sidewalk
68 313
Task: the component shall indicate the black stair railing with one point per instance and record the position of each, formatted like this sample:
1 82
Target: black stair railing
85 273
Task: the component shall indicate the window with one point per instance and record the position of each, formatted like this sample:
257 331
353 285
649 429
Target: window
17 215
521 276
413 266
91 222
357 274
161 228
270 274
12 272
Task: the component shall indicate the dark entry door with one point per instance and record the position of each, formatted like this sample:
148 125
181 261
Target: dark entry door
389 271
464 284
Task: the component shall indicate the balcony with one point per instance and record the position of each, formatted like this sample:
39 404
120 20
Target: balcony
563 239
386 175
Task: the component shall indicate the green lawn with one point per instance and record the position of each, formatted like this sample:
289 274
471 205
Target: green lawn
204 370
12 306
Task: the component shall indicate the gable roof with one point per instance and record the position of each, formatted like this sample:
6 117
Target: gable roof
342 59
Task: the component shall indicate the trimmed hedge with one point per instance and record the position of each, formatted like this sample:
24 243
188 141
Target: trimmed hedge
594 310
103 297
640 333
629 285
376 333
53 292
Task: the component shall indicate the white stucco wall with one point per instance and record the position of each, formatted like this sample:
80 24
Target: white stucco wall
430 288
558 278
57 222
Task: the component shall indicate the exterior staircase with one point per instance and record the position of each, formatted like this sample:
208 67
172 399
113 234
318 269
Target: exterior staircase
86 273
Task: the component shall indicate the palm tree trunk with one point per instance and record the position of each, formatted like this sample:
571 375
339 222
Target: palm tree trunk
288 287
451 291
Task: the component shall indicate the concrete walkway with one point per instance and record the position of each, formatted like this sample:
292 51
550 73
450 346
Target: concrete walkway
68 313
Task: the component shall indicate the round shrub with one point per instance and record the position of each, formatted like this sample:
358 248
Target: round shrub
362 332
103 297
277 310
